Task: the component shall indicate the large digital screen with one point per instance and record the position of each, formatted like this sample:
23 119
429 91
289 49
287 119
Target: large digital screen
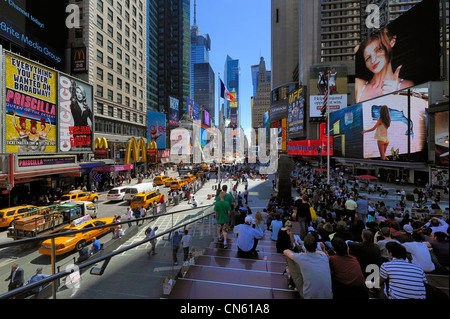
156 132
174 111
193 110
296 113
30 117
31 25
403 54
441 139
391 128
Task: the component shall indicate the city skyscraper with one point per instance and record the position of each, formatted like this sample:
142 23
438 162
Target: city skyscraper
261 100
114 35
152 55
173 53
231 81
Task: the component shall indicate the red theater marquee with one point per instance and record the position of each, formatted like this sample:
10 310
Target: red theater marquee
311 147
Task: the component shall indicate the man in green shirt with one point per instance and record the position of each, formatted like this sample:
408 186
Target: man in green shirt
222 210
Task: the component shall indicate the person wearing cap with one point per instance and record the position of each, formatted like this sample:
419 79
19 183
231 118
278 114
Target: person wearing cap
247 237
37 277
406 235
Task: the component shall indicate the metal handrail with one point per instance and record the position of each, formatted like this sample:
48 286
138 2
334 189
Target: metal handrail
53 278
44 237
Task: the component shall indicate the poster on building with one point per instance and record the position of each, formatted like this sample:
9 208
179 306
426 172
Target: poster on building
174 111
30 108
441 139
193 110
296 113
157 129
403 54
75 115
280 125
327 77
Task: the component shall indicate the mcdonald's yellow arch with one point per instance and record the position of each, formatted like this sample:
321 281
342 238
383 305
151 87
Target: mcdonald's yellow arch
101 143
136 147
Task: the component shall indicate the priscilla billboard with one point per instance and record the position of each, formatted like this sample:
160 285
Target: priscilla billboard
30 117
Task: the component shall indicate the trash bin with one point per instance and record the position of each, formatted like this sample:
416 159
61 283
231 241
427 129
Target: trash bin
176 200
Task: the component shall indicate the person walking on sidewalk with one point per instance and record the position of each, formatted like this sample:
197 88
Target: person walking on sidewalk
222 210
186 243
149 233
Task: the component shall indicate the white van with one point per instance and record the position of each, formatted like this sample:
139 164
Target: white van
117 193
131 191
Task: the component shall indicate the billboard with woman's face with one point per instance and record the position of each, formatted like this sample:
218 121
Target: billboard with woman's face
403 54
390 128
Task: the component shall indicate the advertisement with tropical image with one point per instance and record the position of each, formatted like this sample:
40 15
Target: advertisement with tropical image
30 117
380 128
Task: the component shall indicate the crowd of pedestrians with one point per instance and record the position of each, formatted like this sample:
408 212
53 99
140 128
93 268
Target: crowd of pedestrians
348 241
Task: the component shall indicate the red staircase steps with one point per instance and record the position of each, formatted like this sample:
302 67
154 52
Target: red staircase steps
223 274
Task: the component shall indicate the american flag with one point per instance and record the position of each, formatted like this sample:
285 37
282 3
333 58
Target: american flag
324 104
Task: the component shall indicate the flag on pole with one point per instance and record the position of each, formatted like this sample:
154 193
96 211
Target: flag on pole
324 104
224 93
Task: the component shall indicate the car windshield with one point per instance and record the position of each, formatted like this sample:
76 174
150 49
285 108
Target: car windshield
174 183
65 230
65 197
113 191
157 178
138 198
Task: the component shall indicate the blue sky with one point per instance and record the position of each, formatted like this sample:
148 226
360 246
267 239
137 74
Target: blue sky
240 29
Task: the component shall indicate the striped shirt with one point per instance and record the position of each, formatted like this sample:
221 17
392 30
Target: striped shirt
406 280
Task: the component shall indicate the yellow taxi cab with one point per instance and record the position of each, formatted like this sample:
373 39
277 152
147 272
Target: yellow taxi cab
205 167
9 215
199 174
178 184
169 181
65 244
160 179
188 178
146 199
78 195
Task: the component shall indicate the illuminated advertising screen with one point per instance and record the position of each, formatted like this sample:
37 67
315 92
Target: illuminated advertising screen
156 128
30 25
193 110
312 147
327 77
282 133
296 113
206 118
76 118
441 139
403 54
174 112
30 117
391 127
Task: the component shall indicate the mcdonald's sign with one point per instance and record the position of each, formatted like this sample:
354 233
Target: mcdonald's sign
138 149
100 148
79 60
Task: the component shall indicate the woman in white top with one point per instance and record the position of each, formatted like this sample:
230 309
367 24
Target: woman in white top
377 54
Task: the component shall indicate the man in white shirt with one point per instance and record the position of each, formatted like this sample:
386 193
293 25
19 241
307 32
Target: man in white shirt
185 243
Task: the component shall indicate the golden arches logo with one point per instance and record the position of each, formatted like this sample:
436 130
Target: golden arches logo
138 149
100 143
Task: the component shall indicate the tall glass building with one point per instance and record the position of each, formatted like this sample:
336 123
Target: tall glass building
231 80
200 47
173 45
152 55
204 88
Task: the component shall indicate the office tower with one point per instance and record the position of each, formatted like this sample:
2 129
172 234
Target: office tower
173 53
231 81
152 55
114 35
204 88
261 100
285 41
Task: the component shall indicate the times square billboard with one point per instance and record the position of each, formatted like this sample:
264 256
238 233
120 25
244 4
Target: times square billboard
402 54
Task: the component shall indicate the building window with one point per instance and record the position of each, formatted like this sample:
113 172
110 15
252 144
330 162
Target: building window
99 39
99 108
99 74
110 95
110 111
100 22
99 91
99 56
